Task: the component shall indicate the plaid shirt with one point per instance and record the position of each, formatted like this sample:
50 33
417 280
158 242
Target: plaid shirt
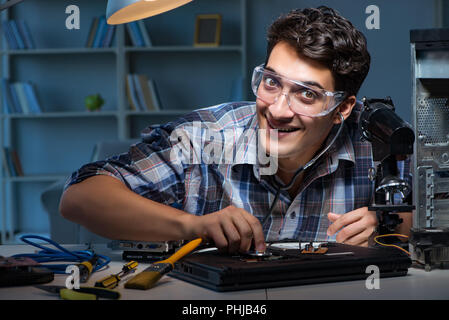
338 181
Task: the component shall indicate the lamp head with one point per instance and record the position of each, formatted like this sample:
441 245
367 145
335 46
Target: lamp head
124 11
387 132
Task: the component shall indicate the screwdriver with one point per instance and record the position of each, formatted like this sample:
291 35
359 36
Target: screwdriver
112 281
148 277
86 268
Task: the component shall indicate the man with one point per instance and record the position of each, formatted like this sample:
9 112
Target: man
316 63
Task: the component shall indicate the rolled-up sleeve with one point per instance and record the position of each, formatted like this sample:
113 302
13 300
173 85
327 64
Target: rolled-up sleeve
148 168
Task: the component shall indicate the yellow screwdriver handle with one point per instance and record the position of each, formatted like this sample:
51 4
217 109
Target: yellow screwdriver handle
130 265
68 294
184 250
108 282
151 275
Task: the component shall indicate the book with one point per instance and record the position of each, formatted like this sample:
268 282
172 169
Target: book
5 162
131 35
139 37
10 39
19 97
16 163
148 94
101 35
9 162
139 92
15 99
145 94
25 32
8 104
132 106
146 36
154 94
17 35
108 38
92 32
132 94
31 97
100 32
20 91
135 35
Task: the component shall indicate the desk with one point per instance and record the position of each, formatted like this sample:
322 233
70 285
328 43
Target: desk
418 284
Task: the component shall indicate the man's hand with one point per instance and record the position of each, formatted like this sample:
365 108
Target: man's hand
355 227
232 229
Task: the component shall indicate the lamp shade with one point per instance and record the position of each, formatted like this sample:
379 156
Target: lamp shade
124 11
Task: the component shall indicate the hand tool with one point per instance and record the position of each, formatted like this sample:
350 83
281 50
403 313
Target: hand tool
86 268
22 271
112 281
148 277
83 293
57 253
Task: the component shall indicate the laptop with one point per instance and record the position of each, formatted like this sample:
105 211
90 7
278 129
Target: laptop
287 264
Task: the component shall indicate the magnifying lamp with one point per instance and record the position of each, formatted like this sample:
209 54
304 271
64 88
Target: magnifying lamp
124 11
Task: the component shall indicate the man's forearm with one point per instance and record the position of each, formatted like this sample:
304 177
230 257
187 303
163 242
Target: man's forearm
107 207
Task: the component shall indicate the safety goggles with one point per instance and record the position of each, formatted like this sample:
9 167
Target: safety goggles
302 98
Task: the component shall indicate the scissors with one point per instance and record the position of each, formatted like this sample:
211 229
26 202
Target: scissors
83 293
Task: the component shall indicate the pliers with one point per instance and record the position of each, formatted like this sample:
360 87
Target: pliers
83 293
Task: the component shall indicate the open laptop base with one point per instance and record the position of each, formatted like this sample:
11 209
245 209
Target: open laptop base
287 267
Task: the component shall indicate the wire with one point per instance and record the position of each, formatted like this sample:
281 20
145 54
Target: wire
299 170
48 254
391 245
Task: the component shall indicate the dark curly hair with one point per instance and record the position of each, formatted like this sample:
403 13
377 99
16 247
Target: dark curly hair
323 35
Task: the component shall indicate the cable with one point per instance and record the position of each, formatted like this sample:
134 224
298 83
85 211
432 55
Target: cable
299 170
391 245
48 254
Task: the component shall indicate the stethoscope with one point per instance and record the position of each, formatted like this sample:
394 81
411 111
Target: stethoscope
298 172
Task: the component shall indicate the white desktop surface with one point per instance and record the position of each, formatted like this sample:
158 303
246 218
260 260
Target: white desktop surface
417 284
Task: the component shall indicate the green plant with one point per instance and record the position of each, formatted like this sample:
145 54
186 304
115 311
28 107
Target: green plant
94 102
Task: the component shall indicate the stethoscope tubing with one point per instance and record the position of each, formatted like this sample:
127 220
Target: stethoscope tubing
298 172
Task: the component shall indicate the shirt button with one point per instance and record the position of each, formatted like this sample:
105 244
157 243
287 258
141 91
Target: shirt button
293 215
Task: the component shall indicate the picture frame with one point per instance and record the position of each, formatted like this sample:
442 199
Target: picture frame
207 30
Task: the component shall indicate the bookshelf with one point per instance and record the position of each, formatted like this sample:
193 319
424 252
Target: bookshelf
53 143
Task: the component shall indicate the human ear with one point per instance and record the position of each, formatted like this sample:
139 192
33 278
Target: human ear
345 108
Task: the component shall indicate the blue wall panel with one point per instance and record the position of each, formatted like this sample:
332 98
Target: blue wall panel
42 144
389 46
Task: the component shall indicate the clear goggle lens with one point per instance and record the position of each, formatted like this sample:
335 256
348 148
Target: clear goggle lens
301 98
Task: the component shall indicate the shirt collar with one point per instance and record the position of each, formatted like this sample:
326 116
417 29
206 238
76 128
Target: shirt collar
342 149
247 147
